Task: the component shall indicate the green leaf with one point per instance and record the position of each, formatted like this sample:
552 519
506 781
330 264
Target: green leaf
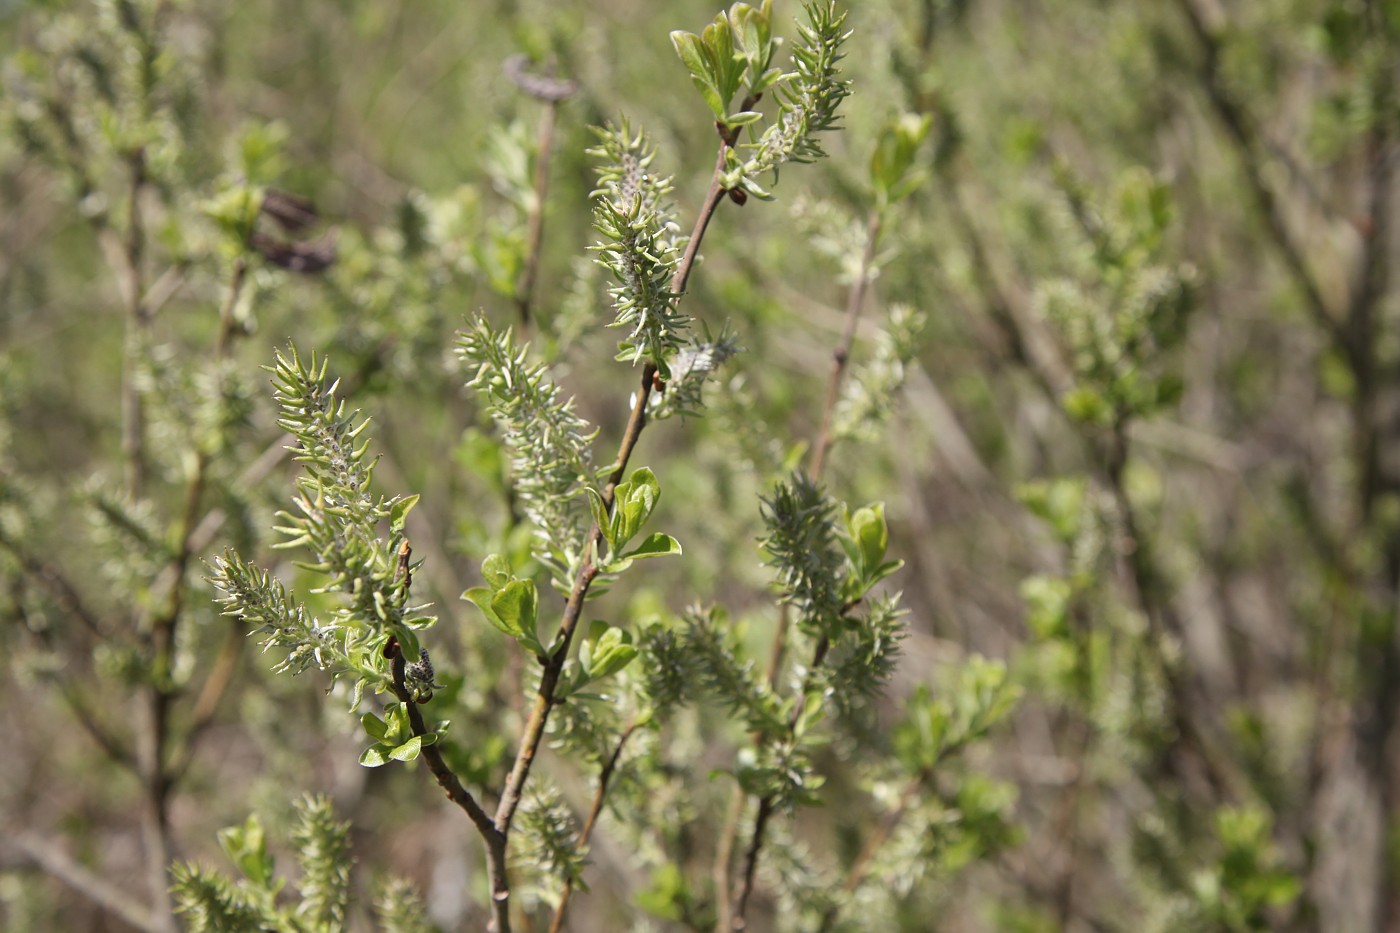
655 545
882 571
517 605
633 502
495 570
693 53
398 727
743 118
399 511
611 653
596 630
894 154
409 750
871 535
373 725
481 597
246 846
1087 405
376 756
599 508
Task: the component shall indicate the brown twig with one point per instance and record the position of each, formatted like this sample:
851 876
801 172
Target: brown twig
840 362
860 868
126 259
588 572
154 737
534 235
444 775
60 865
556 925
767 805
841 357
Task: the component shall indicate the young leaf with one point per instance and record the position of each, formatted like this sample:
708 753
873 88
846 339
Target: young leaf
495 570
399 512
600 514
376 756
246 845
655 545
611 653
634 501
373 725
516 604
409 750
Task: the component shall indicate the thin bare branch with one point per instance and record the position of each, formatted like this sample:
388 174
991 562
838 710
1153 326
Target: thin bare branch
556 925
50 858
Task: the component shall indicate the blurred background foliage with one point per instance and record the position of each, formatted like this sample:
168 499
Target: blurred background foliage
1126 380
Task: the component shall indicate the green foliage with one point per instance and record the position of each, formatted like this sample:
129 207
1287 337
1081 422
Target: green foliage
547 441
509 603
1119 326
809 98
1116 376
802 544
734 51
640 247
394 737
212 903
338 522
935 728
399 909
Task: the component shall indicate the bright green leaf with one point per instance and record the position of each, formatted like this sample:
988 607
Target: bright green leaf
399 512
373 725
495 570
376 756
409 750
655 545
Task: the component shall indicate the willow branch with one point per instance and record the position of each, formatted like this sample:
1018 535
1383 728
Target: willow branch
767 805
155 735
554 664
841 357
556 925
840 362
1242 133
60 865
126 259
534 236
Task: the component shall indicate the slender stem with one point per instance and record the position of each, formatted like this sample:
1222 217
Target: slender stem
724 858
155 736
841 357
767 805
556 925
1244 136
452 786
840 361
129 273
860 868
109 897
702 222
1143 581
534 237
588 572
760 825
